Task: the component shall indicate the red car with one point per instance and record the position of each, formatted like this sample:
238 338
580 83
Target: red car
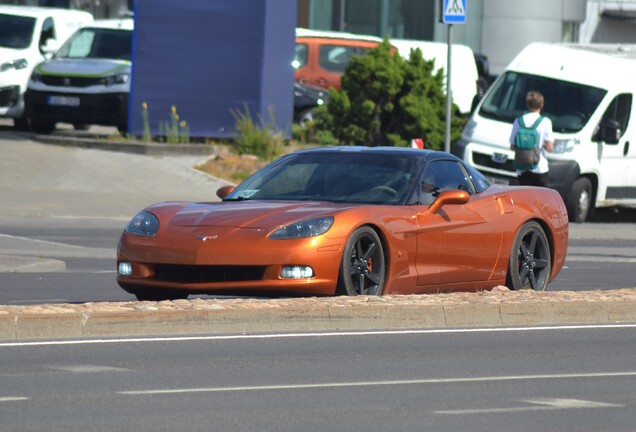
350 221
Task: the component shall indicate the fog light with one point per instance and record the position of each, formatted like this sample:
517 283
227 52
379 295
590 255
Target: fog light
296 272
124 268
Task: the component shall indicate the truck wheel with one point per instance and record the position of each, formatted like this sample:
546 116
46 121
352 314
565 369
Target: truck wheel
579 202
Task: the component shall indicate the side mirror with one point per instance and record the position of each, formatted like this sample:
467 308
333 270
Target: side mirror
224 191
609 132
449 197
50 46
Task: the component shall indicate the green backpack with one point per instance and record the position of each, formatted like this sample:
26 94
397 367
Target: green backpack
527 145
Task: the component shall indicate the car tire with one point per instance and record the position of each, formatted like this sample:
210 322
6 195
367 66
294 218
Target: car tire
579 203
363 264
43 127
530 262
307 116
154 294
22 123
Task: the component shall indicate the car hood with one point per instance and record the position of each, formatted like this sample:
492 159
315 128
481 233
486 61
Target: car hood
83 67
246 214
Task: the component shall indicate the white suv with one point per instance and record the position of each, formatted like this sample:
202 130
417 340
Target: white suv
86 82
29 35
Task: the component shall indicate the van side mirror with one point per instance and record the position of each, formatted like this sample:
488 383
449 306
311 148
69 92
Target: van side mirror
609 131
50 46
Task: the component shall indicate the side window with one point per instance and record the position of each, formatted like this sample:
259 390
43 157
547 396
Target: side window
48 31
335 58
619 110
300 56
443 175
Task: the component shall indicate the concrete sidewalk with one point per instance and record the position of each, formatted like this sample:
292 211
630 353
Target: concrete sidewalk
76 178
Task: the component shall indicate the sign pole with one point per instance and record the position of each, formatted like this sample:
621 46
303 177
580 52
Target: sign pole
453 12
447 134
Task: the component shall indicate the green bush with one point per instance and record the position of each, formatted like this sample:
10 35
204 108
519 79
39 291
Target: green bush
264 140
386 100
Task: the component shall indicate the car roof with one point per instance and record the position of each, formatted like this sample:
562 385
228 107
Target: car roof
327 34
38 12
122 23
397 151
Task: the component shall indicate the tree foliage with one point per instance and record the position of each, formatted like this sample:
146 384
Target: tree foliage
386 100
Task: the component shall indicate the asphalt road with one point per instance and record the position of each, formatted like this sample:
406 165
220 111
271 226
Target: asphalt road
601 256
549 379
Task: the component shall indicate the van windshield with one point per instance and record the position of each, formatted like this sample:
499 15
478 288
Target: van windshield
16 32
98 43
568 105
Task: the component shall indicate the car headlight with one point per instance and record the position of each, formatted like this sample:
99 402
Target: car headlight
116 79
143 224
565 145
15 64
307 228
36 76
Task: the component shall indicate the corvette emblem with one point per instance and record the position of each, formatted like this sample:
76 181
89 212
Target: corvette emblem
206 238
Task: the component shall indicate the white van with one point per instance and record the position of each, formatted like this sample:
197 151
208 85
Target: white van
464 73
589 93
86 82
29 35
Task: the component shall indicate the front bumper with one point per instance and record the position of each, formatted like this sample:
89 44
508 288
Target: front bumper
11 102
107 109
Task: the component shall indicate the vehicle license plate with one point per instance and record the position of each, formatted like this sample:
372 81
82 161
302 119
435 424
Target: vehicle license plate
498 180
64 101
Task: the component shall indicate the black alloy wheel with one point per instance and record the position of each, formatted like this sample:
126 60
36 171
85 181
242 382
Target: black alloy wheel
363 266
530 261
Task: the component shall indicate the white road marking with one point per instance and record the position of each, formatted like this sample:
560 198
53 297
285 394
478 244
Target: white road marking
314 334
13 398
544 405
379 383
88 368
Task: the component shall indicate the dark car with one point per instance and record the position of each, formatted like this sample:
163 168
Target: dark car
306 99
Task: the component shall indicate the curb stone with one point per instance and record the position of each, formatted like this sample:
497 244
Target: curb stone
499 307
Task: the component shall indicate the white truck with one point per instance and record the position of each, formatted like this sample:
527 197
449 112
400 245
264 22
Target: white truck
86 82
589 92
29 35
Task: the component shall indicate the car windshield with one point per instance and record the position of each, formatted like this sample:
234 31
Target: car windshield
16 32
351 177
568 105
98 43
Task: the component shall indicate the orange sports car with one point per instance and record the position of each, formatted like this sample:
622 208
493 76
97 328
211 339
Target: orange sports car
350 221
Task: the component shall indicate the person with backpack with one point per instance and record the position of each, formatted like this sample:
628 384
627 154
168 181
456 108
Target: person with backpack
532 136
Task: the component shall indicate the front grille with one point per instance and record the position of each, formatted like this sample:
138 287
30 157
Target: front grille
59 81
208 274
9 95
486 161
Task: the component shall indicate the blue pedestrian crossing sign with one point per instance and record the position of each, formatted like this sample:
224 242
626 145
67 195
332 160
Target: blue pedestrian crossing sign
454 11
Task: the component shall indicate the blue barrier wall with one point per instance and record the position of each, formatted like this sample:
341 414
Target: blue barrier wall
208 58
